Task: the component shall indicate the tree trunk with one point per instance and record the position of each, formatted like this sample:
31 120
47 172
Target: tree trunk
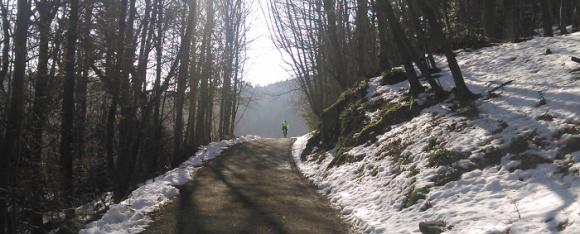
83 80
564 7
12 139
488 19
5 45
126 51
384 40
547 19
407 53
182 85
67 137
438 35
576 16
156 120
202 128
363 39
41 100
512 18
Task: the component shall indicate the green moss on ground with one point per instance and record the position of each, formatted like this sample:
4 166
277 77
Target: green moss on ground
331 123
415 195
394 112
443 157
572 145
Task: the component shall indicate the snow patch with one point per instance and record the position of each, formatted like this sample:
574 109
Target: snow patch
508 195
131 215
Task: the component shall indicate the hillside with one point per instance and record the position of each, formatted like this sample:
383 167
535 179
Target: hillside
268 107
508 162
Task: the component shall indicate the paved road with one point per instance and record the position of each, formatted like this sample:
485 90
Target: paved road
253 188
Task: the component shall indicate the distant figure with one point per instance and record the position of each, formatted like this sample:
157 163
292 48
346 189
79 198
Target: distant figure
285 128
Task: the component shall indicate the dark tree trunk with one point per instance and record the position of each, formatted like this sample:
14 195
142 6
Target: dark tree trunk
564 7
182 85
512 19
576 16
126 51
83 81
547 18
5 45
407 53
488 19
156 120
12 139
384 40
67 136
438 35
202 128
363 39
41 100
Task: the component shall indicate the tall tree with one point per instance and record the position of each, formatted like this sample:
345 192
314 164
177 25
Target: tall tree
512 19
564 7
5 45
364 43
437 31
547 18
203 130
67 135
489 18
408 54
182 82
13 135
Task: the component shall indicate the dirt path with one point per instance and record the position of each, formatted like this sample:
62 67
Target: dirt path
253 188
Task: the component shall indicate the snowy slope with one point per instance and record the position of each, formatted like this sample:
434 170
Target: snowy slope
131 215
531 126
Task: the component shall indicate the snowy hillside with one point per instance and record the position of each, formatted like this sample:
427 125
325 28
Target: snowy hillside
507 163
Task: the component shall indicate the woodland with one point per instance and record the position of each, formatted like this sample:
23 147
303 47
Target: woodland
98 96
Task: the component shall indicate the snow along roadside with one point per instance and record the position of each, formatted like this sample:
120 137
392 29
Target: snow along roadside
131 215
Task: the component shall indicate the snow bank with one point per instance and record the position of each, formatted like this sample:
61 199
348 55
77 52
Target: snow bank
507 196
131 215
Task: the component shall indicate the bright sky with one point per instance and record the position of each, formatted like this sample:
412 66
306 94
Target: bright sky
265 64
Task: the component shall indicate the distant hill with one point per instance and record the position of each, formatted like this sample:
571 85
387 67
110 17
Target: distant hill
268 107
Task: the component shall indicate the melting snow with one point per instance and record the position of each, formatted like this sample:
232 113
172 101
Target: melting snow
497 198
131 215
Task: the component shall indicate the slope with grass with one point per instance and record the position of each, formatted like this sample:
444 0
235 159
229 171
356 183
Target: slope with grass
508 162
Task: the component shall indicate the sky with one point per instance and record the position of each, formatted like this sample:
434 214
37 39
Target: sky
265 64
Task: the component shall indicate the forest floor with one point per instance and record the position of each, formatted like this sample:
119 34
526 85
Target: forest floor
252 187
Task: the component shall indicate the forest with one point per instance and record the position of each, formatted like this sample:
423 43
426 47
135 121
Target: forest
98 96
332 44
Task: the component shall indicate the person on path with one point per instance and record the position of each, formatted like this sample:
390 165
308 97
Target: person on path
285 128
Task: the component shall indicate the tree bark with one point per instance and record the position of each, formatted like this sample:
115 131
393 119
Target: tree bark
437 31
576 16
12 139
407 53
564 7
5 45
384 63
182 85
488 19
512 19
67 136
202 128
547 18
363 30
